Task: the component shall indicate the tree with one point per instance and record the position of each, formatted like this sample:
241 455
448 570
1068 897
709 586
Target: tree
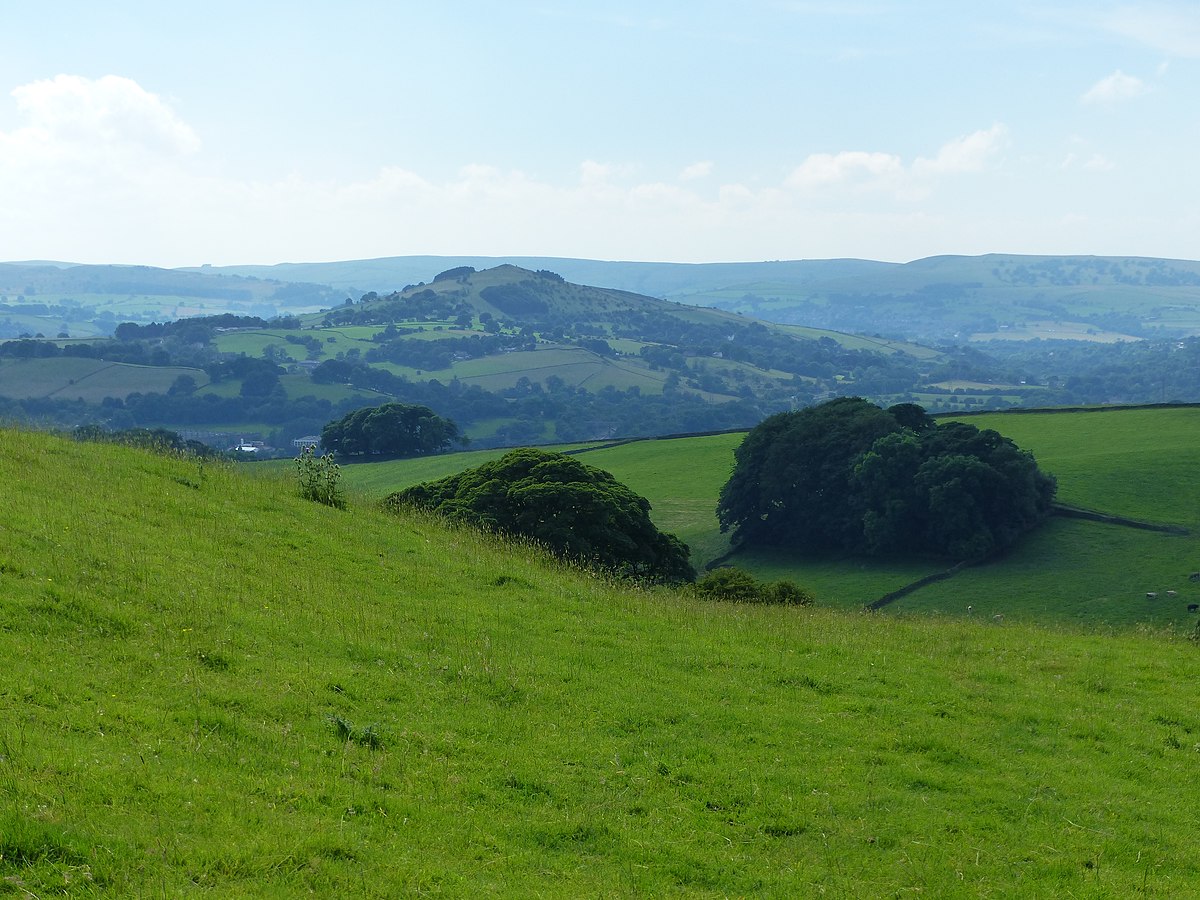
817 480
791 479
574 510
393 429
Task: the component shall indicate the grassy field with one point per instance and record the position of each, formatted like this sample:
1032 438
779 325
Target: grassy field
1137 463
1132 462
302 386
216 689
68 378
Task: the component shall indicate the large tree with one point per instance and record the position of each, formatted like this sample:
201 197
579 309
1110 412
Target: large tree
393 429
575 510
852 477
791 481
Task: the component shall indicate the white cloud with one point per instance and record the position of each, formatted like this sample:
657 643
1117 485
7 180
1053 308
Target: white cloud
1096 162
105 171
1115 87
861 170
823 169
972 152
696 170
109 111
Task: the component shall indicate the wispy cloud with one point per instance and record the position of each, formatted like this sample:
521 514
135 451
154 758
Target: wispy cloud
864 170
1114 88
1172 28
857 166
696 170
1096 162
972 152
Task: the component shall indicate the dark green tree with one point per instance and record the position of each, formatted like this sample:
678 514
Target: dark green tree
817 480
575 510
393 429
791 480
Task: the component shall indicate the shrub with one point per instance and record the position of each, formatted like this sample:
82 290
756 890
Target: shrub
320 478
739 586
574 510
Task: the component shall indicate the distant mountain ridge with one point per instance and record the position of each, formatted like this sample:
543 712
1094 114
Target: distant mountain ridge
933 300
668 280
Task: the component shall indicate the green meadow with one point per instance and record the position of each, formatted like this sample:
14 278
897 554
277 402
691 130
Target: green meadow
1135 463
214 688
68 378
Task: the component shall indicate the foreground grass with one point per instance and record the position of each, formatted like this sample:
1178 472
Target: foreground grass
214 688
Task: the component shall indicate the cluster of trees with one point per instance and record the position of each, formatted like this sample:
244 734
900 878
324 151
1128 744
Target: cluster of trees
851 477
376 310
515 299
576 511
393 429
131 331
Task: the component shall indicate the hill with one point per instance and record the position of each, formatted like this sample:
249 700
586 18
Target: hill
938 299
511 355
942 298
216 688
673 281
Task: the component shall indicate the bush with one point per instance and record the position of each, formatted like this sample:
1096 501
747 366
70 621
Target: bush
320 478
739 586
574 510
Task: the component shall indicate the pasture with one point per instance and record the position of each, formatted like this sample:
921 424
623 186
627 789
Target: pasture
214 688
69 378
1136 463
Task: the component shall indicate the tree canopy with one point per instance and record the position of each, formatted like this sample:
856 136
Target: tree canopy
575 510
393 429
850 476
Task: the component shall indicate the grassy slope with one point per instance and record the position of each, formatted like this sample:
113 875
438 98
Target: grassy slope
176 639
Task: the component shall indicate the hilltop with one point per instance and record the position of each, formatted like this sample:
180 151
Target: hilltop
518 356
940 298
217 688
995 296
510 355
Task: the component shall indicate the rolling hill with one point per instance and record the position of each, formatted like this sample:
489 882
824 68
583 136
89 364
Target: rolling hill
942 298
214 688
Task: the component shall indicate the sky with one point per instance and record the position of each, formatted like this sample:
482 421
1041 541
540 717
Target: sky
179 134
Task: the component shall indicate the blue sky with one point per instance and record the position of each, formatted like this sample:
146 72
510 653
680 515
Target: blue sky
179 134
